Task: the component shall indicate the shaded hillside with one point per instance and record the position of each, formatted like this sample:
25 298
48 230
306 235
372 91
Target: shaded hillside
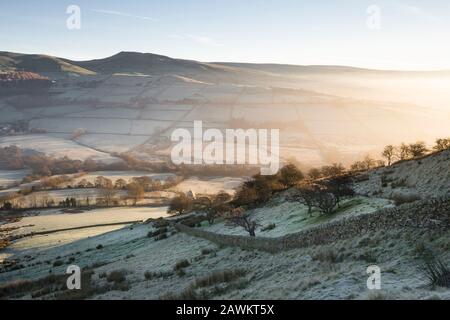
22 81
38 63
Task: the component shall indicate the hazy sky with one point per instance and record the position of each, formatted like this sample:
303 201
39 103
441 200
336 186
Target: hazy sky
414 34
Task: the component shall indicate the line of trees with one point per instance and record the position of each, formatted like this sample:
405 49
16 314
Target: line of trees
14 158
413 150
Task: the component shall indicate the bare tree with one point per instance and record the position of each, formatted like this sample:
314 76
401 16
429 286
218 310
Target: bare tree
404 152
290 175
180 204
217 211
339 187
102 182
239 217
442 144
314 174
135 191
389 153
108 195
333 170
326 202
418 149
306 196
120 184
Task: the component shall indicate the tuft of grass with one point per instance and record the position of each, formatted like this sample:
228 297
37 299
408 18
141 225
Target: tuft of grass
181 273
116 276
188 294
224 276
212 282
326 255
269 227
369 257
181 265
157 232
377 296
207 251
19 288
157 275
58 263
437 273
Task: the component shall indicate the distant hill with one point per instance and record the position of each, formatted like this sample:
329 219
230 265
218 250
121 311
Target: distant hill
38 63
149 63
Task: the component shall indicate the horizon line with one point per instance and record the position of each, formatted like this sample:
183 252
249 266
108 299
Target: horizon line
361 68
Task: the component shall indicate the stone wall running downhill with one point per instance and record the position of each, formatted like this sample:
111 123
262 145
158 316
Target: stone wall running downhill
429 214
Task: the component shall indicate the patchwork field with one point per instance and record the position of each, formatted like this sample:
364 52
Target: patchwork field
54 219
56 147
209 186
12 177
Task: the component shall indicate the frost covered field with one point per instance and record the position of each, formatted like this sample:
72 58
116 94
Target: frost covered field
209 186
333 271
54 219
284 217
56 147
319 124
11 177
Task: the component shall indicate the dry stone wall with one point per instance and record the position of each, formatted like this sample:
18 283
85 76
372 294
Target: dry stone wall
426 214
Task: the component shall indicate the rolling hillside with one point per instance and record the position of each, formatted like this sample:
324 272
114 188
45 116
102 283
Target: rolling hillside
132 102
